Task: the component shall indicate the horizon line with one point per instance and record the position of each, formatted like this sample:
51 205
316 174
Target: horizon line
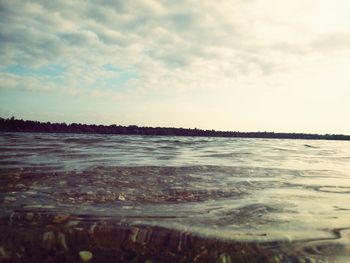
131 126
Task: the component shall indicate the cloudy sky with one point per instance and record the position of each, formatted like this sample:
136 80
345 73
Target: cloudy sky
248 65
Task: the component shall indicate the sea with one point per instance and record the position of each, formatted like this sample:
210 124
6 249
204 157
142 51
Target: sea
120 198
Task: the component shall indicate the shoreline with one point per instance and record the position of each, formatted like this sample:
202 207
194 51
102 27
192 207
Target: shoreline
15 125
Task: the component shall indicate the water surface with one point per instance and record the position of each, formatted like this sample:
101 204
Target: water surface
230 189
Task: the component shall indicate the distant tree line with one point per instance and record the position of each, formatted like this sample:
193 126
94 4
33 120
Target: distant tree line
16 125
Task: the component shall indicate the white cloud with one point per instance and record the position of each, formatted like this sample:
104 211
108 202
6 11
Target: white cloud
175 47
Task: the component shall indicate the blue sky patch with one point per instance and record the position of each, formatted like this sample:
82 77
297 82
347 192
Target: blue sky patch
119 80
110 67
43 71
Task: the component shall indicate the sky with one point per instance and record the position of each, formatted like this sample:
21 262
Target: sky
241 65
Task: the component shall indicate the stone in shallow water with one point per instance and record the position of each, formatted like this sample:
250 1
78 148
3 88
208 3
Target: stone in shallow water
60 218
4 255
31 192
121 197
20 186
49 239
85 255
29 216
9 199
224 258
62 241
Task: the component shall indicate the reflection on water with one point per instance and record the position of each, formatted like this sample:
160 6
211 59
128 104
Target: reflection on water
249 200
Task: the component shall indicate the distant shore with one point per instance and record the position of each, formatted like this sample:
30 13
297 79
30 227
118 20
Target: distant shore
19 125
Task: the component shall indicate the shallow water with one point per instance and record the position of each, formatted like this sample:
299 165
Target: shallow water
231 189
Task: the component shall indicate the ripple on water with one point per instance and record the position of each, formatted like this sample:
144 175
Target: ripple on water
230 189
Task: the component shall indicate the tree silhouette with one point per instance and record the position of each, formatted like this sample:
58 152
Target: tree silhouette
14 125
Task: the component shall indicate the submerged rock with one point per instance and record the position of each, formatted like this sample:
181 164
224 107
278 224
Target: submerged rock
29 216
60 218
9 199
62 241
224 258
4 255
20 186
121 197
49 239
85 256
